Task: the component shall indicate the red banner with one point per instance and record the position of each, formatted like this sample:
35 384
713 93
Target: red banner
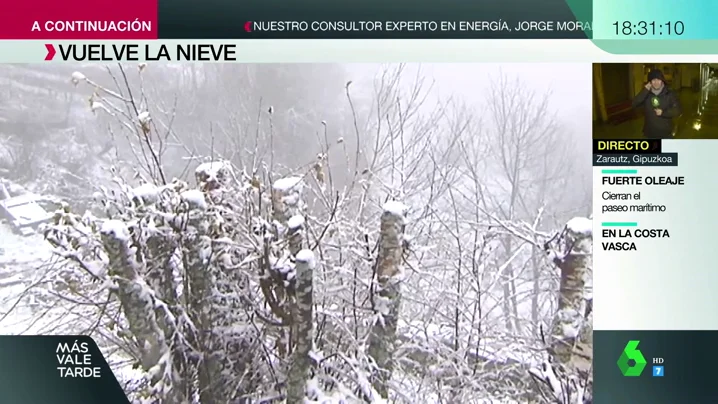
79 19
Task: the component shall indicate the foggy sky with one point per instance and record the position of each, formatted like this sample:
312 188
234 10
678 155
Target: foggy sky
569 84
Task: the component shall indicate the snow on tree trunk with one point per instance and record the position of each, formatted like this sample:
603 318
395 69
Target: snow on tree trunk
567 373
215 293
278 282
286 198
201 281
160 262
575 266
160 274
295 225
213 175
303 327
139 307
387 300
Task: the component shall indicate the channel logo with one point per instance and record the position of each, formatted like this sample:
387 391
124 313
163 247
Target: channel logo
632 361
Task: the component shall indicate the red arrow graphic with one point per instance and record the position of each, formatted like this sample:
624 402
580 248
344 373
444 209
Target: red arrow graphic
50 51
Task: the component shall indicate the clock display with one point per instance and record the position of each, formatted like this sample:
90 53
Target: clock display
649 28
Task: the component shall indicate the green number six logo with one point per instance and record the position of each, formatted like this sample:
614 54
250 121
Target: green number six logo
631 352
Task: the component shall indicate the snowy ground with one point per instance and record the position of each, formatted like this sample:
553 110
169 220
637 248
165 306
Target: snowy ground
25 306
20 257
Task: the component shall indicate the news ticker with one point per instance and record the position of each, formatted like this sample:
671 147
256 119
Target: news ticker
215 19
372 19
612 25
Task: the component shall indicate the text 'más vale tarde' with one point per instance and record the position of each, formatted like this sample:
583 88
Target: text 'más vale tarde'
155 52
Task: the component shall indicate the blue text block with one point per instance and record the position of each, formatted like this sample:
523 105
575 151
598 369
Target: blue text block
658 371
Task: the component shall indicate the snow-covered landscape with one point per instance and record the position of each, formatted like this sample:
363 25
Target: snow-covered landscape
306 233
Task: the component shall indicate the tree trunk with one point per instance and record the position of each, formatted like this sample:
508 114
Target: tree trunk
508 283
215 308
303 327
278 285
387 301
567 374
575 266
536 290
200 284
148 324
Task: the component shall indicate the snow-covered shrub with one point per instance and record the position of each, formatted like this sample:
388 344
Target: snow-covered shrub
215 305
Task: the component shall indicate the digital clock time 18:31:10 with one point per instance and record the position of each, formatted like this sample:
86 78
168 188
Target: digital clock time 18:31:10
649 28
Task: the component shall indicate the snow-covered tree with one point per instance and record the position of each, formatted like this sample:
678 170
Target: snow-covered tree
568 373
387 299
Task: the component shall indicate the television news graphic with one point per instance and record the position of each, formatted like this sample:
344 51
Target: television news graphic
325 19
129 52
636 373
631 361
65 369
650 210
